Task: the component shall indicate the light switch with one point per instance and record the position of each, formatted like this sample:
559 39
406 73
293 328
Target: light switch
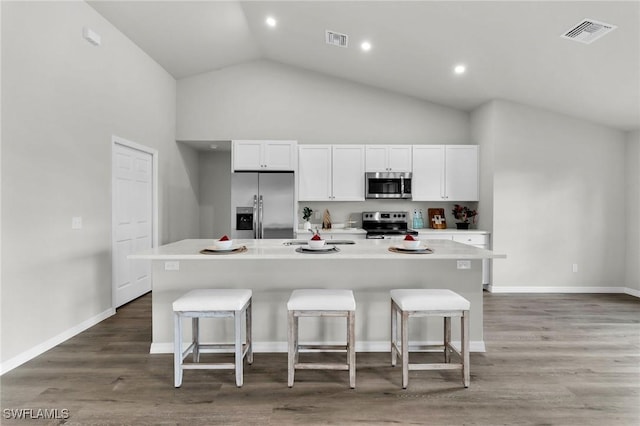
76 222
172 266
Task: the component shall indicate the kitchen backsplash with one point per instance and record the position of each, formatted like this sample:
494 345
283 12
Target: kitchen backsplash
343 211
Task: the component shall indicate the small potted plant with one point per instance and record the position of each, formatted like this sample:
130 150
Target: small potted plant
306 215
463 214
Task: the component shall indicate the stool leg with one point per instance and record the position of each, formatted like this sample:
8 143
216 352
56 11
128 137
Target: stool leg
195 330
177 350
447 339
351 347
292 337
465 348
405 348
249 336
237 317
296 339
394 333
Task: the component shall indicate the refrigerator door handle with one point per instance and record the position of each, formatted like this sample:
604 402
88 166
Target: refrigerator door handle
255 217
260 210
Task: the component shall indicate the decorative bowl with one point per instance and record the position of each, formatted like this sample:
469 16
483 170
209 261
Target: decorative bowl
223 245
411 244
315 244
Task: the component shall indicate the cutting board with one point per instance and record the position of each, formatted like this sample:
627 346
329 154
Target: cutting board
437 219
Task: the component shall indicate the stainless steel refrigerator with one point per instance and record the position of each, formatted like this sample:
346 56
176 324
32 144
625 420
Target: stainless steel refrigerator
262 205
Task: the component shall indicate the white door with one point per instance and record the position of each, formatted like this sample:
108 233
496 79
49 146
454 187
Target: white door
314 173
247 155
400 158
376 158
461 173
133 227
348 173
427 183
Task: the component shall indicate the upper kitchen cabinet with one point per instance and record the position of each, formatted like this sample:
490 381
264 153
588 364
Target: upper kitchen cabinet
388 158
264 155
331 173
445 173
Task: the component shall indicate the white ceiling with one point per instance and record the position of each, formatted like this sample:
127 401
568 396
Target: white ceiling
512 49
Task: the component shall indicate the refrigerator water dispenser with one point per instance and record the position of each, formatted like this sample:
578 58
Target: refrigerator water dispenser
244 218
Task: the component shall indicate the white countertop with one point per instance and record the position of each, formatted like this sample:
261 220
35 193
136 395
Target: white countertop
276 250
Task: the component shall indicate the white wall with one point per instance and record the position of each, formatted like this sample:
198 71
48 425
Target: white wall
483 131
267 100
62 100
632 273
558 197
215 194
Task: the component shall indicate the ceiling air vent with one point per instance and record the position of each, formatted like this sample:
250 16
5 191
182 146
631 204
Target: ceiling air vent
336 39
588 30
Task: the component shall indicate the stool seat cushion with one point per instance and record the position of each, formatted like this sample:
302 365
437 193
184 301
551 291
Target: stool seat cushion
429 300
321 300
212 300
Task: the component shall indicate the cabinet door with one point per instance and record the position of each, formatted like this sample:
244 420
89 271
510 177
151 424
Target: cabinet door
247 155
348 173
461 173
399 158
376 158
314 173
279 155
428 173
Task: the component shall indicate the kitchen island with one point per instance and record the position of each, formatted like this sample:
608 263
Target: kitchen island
272 269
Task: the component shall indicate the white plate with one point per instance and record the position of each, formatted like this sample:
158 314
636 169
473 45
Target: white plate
214 248
325 247
402 247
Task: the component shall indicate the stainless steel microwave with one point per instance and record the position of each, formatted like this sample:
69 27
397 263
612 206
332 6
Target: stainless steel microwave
387 185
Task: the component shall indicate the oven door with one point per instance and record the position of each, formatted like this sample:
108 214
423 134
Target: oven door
387 185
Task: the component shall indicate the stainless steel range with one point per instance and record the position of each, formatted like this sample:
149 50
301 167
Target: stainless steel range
381 225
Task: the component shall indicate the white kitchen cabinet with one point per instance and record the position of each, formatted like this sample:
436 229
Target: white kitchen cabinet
427 180
264 155
388 158
331 173
445 173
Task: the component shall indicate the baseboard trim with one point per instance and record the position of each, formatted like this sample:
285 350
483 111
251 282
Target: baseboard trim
632 291
586 290
281 347
28 355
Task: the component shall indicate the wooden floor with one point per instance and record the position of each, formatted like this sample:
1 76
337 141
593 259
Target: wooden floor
550 360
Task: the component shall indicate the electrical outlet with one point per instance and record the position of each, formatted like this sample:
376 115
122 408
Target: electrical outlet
574 267
317 215
464 264
76 222
172 266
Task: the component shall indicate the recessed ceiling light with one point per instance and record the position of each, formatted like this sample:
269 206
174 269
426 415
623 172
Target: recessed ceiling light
271 21
366 46
459 69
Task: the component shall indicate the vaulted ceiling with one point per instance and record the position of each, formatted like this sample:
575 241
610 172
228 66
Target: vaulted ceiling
512 49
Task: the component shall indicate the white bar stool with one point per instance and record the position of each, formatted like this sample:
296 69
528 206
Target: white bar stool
322 303
425 303
212 303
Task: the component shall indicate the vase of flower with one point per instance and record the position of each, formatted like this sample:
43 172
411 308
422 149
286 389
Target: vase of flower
306 215
463 214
